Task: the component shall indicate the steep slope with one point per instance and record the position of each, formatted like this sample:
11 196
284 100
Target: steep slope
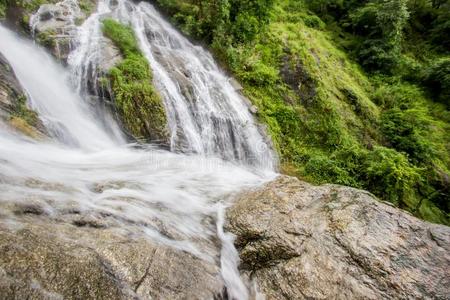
330 120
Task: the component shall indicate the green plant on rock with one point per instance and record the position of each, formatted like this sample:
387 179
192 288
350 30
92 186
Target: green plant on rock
87 6
46 38
141 108
22 111
3 6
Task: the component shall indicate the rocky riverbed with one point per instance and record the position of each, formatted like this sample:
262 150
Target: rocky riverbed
295 240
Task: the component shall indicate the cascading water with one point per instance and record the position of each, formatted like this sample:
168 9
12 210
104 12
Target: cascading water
211 116
63 112
206 115
174 199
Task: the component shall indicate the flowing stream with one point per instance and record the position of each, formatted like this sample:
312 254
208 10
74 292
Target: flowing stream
175 198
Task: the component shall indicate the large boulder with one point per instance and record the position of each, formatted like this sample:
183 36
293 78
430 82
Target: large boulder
299 241
14 111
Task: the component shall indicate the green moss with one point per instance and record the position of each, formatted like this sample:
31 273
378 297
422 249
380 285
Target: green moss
122 36
46 38
32 6
138 103
22 111
86 6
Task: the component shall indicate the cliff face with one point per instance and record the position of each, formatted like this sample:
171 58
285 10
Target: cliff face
300 241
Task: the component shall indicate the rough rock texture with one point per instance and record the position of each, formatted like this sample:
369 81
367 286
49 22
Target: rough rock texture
13 109
109 57
96 71
300 241
54 24
42 258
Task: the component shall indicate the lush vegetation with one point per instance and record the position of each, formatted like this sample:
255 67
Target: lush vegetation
354 92
28 6
138 103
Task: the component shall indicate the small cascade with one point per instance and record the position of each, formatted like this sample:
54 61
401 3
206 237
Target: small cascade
87 62
64 113
86 58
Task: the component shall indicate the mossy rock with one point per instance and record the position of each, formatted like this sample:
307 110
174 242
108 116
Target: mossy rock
139 105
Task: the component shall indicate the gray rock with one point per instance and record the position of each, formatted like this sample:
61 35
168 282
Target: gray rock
54 26
13 109
236 85
110 56
299 241
96 71
42 258
253 109
10 88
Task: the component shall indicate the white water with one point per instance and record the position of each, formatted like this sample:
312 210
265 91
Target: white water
63 112
174 199
206 115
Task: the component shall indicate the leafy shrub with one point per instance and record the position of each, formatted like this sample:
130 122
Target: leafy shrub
313 22
324 169
245 28
260 74
390 176
343 166
440 33
406 132
364 20
3 7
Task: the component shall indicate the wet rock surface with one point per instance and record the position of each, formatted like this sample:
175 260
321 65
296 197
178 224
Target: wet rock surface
42 258
13 109
54 26
299 241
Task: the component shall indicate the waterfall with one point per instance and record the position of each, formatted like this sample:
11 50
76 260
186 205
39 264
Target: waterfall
63 112
206 115
88 167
